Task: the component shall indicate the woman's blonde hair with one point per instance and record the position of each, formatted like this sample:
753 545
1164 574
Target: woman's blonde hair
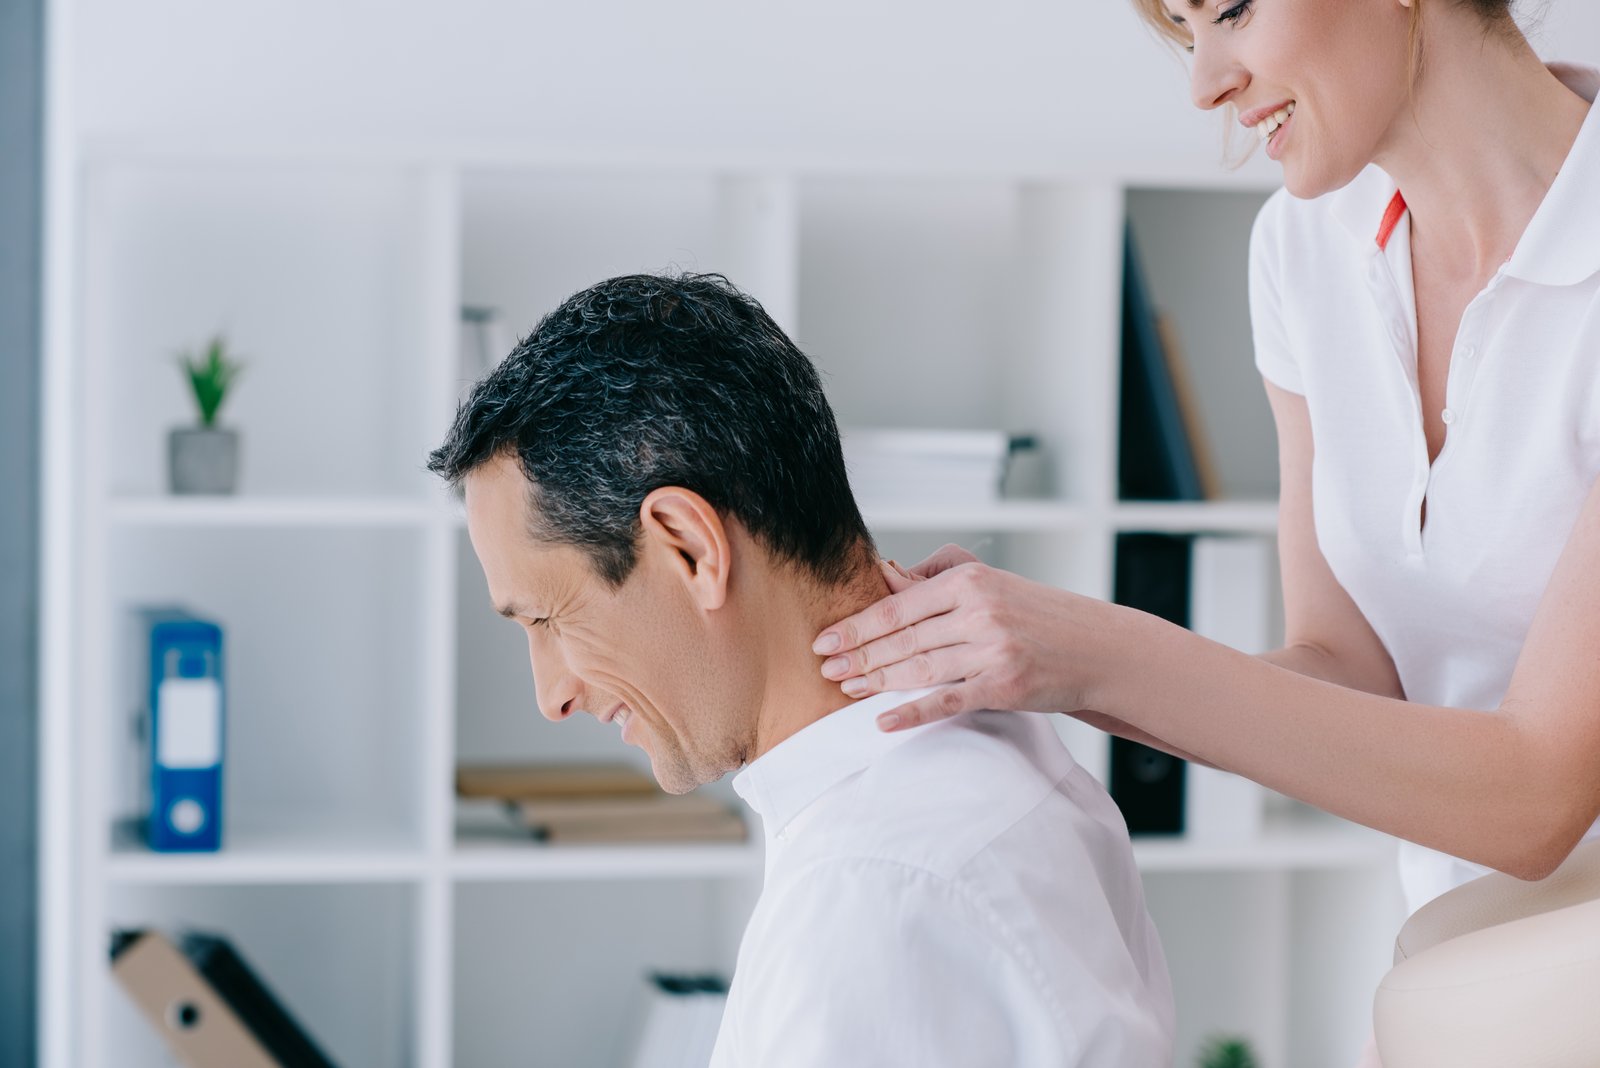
1495 14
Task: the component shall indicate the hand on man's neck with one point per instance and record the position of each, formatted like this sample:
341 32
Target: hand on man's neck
796 695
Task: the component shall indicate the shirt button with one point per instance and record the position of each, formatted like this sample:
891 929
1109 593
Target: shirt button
1448 416
1468 352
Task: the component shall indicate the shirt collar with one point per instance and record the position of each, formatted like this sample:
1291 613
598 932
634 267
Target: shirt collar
784 781
1561 245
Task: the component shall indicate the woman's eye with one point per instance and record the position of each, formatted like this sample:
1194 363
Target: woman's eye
1234 13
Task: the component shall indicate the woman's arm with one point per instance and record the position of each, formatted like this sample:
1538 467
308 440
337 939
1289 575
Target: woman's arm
1514 788
1322 720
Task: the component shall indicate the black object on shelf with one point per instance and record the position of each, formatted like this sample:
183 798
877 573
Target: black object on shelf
212 1010
1152 575
1155 459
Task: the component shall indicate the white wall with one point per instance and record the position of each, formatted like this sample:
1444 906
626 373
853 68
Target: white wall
1003 85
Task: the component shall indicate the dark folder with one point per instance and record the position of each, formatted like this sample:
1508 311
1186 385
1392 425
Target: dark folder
208 1005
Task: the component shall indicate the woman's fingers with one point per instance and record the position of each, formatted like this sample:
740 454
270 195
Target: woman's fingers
924 599
897 577
902 645
942 703
943 559
936 667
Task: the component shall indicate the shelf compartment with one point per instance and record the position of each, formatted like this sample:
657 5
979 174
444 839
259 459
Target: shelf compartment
598 940
340 959
326 672
320 278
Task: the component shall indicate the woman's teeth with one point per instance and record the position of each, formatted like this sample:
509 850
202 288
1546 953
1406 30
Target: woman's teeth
1267 126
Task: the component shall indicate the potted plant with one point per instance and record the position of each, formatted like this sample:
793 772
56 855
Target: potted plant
205 458
1227 1051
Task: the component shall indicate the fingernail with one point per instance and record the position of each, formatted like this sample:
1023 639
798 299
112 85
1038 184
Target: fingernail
888 721
836 667
828 643
855 687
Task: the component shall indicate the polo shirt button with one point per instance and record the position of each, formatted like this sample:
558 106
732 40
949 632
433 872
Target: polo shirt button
1468 352
1448 416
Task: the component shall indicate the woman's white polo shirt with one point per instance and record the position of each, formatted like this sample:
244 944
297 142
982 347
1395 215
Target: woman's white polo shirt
1334 317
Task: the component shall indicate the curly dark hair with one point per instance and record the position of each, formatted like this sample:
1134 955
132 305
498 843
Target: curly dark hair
645 381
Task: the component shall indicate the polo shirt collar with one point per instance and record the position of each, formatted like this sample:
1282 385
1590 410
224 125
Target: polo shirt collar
783 782
1561 245
1360 205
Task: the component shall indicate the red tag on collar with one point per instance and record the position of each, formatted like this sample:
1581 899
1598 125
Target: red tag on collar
1391 219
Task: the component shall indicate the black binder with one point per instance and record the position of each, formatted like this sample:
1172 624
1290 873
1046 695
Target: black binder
212 1010
1152 575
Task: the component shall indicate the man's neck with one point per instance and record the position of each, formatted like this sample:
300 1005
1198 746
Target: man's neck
796 695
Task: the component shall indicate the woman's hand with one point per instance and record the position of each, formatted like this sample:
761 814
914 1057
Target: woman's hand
988 638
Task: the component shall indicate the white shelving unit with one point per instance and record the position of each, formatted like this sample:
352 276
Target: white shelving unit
364 661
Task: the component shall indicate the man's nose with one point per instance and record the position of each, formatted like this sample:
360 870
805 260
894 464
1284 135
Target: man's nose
558 691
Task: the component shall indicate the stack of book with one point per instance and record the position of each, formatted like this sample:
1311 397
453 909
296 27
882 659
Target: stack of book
609 803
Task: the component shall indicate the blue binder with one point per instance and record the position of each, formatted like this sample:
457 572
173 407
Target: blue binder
185 699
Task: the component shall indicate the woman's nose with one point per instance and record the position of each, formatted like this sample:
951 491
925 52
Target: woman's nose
1216 78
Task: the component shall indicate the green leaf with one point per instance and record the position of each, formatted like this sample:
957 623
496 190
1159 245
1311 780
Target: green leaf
1226 1051
210 377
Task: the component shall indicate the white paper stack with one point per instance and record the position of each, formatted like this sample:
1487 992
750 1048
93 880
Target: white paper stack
922 467
1230 601
682 1015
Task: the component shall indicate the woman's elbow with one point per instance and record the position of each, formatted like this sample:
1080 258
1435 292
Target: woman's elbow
1542 854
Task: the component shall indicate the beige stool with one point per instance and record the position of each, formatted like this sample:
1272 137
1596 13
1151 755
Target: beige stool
1498 973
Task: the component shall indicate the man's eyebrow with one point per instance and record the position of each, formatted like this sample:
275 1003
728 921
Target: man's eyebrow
512 611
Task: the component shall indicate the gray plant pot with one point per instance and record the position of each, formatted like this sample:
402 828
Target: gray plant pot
202 460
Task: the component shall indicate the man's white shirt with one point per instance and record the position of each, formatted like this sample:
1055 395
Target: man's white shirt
957 894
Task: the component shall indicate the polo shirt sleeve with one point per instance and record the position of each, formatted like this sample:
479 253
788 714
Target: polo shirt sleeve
885 964
1274 358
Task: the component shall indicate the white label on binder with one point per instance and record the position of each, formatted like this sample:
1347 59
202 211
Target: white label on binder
189 723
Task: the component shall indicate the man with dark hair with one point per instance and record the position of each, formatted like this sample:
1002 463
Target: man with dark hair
655 489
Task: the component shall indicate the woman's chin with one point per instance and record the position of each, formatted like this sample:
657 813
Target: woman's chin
1308 183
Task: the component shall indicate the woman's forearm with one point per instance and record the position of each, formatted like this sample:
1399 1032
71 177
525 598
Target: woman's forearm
1461 781
1301 659
1318 663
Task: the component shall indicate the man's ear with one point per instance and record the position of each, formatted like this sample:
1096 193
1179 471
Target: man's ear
683 527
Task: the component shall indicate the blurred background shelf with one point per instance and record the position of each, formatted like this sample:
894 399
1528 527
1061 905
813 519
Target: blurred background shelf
364 659
1299 839
1217 517
303 853
1011 515
488 860
334 512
